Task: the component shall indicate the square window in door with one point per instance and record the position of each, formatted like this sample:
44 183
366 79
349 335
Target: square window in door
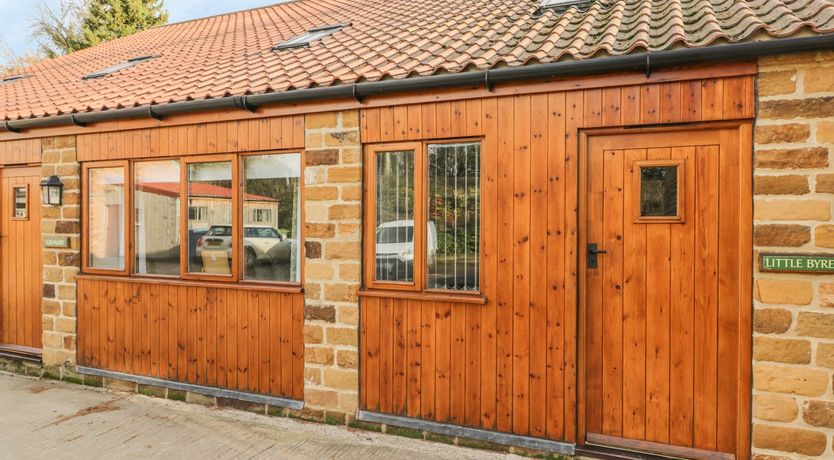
21 203
660 191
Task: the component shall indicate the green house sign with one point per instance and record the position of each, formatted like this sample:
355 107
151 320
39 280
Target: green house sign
56 242
797 263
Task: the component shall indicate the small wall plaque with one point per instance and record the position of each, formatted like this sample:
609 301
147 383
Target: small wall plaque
797 263
56 242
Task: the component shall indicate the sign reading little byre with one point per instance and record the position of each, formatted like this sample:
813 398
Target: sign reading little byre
797 263
56 242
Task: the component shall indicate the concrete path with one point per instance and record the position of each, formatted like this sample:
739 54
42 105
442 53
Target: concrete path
44 419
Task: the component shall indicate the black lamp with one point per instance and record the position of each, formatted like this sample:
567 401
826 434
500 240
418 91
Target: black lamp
52 191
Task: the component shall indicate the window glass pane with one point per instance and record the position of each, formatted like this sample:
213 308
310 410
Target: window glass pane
210 238
21 204
659 191
395 216
106 232
157 217
271 226
453 237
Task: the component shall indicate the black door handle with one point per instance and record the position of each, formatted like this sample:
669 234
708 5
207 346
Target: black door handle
593 251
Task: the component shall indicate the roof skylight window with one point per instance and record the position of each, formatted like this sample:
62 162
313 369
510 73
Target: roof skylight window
118 67
308 37
14 78
564 3
560 6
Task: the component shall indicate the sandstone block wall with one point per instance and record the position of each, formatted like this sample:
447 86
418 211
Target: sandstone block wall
793 343
61 265
332 231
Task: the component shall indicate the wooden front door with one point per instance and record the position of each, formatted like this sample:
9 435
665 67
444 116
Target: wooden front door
666 298
20 258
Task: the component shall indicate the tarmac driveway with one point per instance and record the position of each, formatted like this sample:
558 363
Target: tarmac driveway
49 419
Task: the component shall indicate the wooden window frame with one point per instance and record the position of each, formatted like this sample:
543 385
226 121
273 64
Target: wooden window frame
236 204
132 201
638 167
26 197
236 276
85 217
301 220
418 287
425 200
371 153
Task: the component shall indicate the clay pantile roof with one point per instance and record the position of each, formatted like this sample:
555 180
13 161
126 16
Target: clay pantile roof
385 39
198 190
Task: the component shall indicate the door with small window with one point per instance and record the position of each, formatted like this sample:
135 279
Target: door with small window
666 241
20 257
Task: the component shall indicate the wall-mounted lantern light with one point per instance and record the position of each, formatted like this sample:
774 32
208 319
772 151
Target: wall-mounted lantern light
52 191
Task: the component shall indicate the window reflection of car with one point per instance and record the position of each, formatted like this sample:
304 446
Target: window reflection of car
260 244
395 248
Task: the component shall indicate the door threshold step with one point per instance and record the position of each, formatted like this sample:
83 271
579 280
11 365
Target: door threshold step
608 453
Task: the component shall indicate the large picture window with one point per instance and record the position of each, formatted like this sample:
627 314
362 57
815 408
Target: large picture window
219 217
271 197
453 238
424 216
210 241
156 223
106 217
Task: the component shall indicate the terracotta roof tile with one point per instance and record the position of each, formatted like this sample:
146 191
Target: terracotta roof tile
231 54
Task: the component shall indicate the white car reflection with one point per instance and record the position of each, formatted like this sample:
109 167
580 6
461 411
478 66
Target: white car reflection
260 244
395 249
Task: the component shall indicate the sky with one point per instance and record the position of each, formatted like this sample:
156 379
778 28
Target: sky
15 16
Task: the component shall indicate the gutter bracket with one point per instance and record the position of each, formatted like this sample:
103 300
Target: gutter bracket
10 129
75 121
153 114
355 92
489 85
243 103
648 65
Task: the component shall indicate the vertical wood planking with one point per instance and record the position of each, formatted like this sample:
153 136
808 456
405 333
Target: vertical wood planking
573 121
490 264
428 381
634 308
399 357
556 183
538 265
657 323
706 297
386 319
504 296
413 359
612 291
683 287
286 132
729 303
191 334
521 265
443 369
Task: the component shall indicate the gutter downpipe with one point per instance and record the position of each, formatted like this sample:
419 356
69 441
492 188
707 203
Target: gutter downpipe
644 62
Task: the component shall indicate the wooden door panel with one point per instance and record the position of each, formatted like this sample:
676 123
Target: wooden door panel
20 259
663 310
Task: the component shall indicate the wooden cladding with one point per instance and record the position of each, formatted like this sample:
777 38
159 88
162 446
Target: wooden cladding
509 365
675 102
235 338
26 151
205 138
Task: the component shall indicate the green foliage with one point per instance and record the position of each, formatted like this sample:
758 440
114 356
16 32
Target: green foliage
110 19
77 24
